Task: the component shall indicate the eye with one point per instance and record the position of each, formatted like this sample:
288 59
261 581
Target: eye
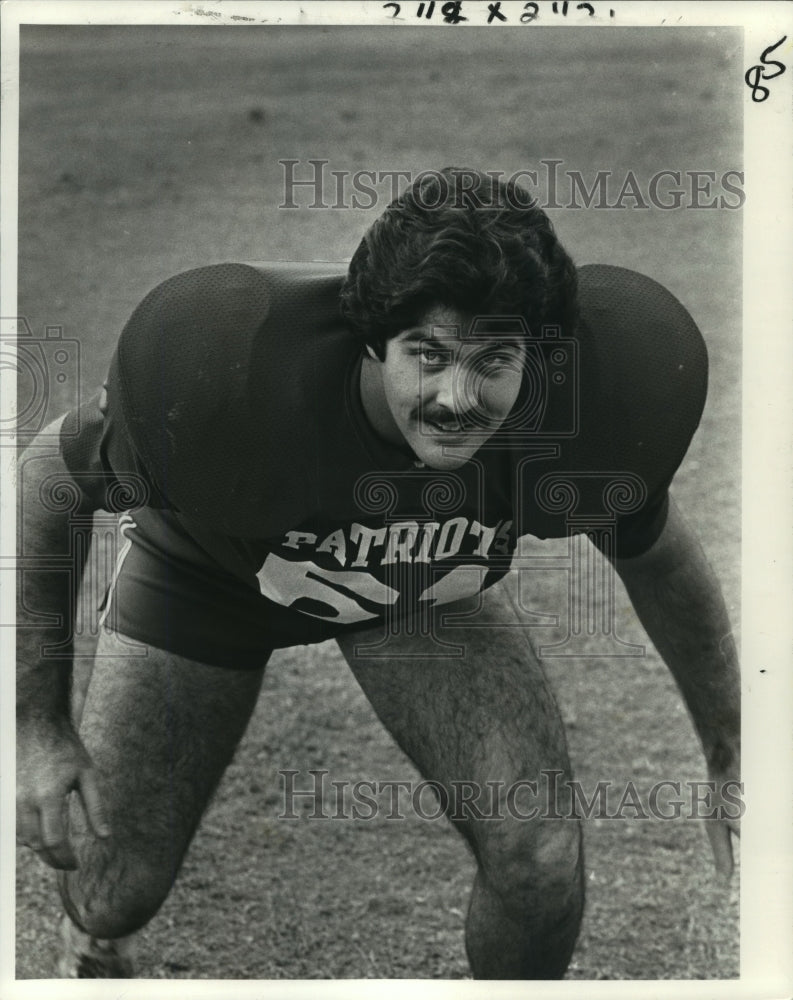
434 358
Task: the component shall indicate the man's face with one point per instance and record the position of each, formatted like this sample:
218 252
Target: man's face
448 393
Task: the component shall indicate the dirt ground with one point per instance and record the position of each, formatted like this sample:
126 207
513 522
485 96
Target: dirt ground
147 151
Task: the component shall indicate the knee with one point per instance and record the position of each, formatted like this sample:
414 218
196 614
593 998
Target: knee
534 864
557 852
112 907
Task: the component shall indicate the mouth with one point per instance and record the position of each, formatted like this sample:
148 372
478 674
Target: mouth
446 429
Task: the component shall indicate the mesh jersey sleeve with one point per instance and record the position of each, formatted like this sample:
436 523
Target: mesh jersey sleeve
180 362
648 394
101 459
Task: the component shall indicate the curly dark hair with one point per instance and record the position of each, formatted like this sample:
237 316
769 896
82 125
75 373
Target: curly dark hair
462 239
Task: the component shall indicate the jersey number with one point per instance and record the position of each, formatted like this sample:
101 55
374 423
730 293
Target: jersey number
331 594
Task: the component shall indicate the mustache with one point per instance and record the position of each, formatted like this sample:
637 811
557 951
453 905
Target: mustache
473 419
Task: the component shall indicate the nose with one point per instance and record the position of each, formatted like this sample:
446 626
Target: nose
456 390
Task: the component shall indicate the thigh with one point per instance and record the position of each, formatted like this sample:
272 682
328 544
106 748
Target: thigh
160 729
487 715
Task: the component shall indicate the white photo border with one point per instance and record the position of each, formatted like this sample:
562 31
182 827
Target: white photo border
767 558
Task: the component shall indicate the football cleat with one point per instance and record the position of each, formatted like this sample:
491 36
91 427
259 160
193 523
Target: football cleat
86 957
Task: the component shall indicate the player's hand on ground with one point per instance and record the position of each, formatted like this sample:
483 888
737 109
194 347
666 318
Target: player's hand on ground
721 830
51 763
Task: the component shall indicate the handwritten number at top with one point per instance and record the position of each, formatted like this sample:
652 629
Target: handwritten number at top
451 12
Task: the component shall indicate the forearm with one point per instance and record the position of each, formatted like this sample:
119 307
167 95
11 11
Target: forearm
678 600
50 569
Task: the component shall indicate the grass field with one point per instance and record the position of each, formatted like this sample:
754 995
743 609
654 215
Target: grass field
147 151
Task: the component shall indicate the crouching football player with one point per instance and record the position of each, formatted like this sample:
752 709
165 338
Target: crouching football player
301 452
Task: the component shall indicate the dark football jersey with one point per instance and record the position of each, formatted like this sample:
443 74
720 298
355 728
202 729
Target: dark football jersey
233 427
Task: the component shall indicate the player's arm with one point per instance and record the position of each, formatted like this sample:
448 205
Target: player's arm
678 600
51 760
203 321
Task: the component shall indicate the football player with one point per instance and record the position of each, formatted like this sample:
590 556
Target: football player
306 451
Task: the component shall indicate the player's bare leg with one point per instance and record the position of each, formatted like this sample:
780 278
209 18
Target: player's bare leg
490 716
161 730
